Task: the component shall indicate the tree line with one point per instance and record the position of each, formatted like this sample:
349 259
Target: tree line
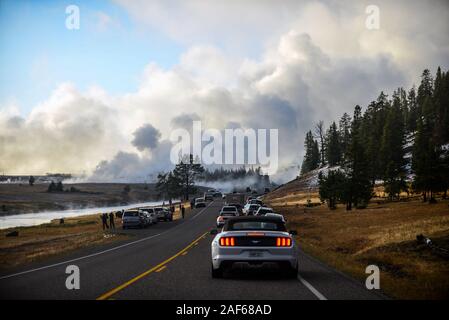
180 182
396 138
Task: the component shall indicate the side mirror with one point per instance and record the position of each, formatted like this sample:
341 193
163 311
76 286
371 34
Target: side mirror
293 232
214 232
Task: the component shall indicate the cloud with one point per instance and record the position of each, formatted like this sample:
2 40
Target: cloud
146 137
315 60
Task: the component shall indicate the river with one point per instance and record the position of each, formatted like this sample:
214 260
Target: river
33 219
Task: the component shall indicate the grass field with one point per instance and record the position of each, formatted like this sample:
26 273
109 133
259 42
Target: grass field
384 234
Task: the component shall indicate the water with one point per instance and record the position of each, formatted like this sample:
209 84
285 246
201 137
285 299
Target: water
33 219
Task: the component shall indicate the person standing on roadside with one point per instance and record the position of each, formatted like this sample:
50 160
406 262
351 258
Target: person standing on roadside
111 220
104 219
183 211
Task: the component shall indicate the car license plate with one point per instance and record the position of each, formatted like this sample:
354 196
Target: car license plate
256 254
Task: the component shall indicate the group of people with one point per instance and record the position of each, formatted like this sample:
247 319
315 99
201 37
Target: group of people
108 216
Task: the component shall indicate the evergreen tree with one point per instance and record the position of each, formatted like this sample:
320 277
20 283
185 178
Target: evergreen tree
427 163
312 157
344 130
372 130
358 190
331 187
392 149
185 172
413 110
320 134
333 147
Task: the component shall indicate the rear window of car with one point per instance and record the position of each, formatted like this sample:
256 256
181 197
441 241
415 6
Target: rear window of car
254 206
265 211
158 209
256 225
233 209
131 214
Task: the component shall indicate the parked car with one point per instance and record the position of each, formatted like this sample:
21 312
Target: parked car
263 211
208 196
250 209
254 241
163 214
225 213
134 219
151 215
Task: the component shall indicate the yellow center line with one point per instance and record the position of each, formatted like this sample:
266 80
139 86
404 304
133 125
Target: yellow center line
140 276
184 253
161 268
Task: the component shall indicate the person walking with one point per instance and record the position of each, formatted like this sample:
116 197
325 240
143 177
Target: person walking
183 211
104 219
111 220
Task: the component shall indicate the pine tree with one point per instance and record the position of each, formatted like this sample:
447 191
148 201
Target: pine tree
392 149
185 173
331 187
344 130
333 147
312 156
358 190
372 130
320 134
413 110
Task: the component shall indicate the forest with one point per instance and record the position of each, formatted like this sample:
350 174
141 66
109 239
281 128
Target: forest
400 142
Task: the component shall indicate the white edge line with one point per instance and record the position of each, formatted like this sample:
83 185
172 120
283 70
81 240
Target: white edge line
311 288
100 252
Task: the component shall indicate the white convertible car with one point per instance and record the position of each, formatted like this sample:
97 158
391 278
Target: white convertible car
254 241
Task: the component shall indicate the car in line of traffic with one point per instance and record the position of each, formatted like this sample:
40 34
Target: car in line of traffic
250 209
254 241
225 213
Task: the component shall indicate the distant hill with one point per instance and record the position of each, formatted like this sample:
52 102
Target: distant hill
299 190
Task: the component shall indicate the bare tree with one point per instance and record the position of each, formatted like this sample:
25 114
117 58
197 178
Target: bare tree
319 134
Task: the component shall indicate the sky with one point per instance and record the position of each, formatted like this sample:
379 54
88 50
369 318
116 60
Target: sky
78 100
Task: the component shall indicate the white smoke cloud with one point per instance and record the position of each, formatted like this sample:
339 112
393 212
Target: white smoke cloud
317 60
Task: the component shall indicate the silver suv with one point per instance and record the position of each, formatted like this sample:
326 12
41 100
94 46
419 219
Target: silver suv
134 219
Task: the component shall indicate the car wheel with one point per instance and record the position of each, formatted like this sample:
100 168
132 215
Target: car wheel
292 273
216 273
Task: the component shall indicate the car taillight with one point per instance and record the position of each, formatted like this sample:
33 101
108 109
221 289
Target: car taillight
283 242
227 241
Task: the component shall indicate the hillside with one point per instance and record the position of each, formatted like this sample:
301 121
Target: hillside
299 190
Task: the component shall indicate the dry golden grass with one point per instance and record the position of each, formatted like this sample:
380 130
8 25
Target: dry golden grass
38 242
383 234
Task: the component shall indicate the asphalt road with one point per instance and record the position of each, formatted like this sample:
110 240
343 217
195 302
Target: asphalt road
172 261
